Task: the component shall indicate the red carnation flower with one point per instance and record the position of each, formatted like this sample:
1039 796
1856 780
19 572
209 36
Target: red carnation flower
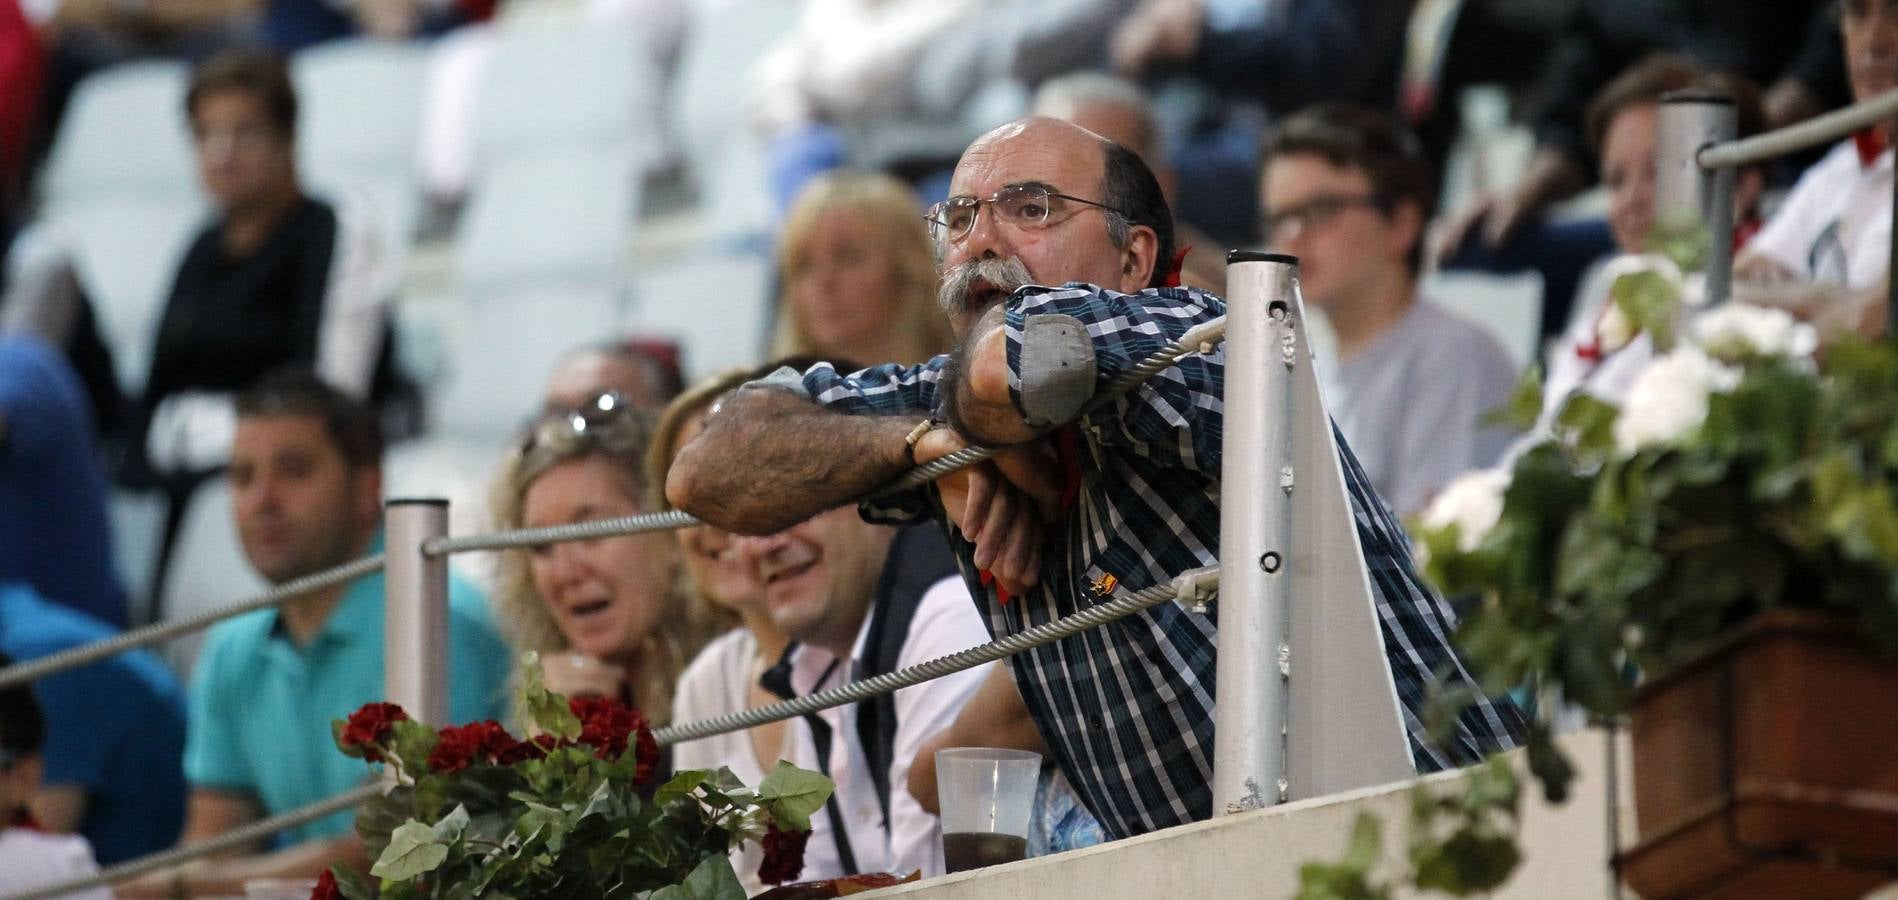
368 728
647 750
783 855
463 745
606 724
326 888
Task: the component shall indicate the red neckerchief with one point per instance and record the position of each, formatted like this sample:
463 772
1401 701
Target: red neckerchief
1067 443
1173 273
1870 144
1745 231
23 818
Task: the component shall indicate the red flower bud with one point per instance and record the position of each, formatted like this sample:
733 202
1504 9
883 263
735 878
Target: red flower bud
368 728
783 855
326 888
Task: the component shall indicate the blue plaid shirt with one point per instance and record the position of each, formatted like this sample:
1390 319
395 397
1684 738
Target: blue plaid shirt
1127 708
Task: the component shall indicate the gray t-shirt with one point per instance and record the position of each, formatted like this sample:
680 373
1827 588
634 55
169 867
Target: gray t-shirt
1412 403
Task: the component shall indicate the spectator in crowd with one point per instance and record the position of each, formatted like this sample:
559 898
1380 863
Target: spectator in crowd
40 294
1826 251
306 488
115 732
858 274
1623 125
54 531
860 600
849 64
1119 111
607 616
1044 202
724 677
29 856
1348 191
277 278
636 374
1787 45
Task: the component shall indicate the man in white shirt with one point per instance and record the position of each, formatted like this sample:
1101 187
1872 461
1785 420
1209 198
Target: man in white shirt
860 599
1348 191
1826 251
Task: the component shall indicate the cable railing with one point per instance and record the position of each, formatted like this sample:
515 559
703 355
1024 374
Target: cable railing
416 556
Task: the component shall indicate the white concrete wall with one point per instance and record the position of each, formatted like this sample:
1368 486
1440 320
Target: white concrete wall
1257 854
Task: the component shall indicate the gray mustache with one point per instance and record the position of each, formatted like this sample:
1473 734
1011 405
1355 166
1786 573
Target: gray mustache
958 283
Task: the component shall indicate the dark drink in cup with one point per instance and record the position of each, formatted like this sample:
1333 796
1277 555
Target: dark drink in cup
962 851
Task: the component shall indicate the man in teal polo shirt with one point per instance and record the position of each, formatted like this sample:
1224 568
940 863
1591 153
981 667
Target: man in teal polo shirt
306 489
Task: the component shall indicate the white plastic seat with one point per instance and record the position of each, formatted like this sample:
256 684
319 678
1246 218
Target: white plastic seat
361 108
715 305
208 568
561 84
1510 306
709 120
125 133
560 215
502 346
127 251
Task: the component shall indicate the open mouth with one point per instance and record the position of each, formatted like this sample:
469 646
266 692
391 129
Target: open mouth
983 294
789 572
589 608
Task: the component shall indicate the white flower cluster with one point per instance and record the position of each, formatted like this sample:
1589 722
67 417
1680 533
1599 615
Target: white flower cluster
1473 503
1736 331
1668 400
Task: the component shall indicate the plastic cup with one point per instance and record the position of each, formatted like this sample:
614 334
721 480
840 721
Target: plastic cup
987 796
279 888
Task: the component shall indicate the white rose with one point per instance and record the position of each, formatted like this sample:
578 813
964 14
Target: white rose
1668 400
1738 330
1473 503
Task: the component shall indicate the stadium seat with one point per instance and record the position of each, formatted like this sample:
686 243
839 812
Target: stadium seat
127 250
716 305
562 84
503 345
208 568
361 107
561 215
124 134
1510 306
712 123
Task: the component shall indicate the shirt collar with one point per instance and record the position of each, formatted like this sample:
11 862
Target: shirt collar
356 615
1870 144
811 665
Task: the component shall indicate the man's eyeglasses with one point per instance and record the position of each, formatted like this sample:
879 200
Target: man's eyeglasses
1284 224
563 428
1030 205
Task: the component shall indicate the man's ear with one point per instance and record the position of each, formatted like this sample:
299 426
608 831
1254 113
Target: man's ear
1407 227
1138 258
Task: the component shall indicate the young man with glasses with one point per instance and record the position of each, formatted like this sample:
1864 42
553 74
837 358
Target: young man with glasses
1348 191
1131 491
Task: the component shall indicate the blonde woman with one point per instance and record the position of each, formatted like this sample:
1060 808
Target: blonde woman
606 615
858 275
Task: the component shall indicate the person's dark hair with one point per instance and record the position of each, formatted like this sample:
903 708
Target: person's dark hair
1663 73
22 726
1374 142
1129 187
260 73
351 426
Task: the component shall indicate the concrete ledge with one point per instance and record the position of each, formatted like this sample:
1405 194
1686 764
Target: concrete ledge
1257 854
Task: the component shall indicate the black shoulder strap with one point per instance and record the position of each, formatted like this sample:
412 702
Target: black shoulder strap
777 680
919 557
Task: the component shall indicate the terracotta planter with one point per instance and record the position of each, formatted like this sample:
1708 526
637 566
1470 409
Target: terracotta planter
1768 767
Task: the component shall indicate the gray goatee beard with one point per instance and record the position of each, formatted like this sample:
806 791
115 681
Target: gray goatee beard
956 297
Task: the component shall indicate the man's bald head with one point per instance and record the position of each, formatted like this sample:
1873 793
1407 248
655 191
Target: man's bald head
1072 160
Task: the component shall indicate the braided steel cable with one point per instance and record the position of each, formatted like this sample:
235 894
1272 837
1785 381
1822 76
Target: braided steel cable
1194 585
1200 338
236 837
22 673
560 534
1793 138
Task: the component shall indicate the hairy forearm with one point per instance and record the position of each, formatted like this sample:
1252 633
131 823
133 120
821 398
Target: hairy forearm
770 459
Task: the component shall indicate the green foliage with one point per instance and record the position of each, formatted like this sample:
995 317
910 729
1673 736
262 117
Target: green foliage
496 817
1350 877
1650 302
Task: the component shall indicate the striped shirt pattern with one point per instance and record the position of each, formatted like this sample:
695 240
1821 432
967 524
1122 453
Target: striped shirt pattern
1127 708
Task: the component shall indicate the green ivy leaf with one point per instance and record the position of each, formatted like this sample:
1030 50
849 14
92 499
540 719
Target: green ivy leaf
336 735
791 794
452 826
715 880
680 785
1524 407
1588 423
412 851
548 711
412 742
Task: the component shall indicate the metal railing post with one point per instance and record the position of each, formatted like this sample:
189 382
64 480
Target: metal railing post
415 639
1684 191
1249 735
